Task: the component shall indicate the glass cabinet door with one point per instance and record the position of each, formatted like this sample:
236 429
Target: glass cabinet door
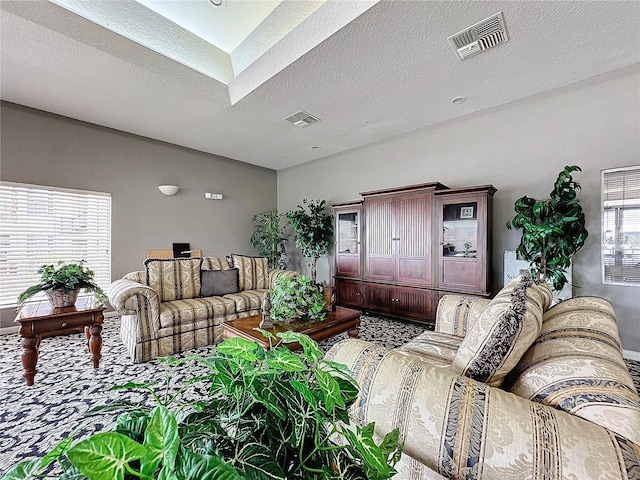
460 230
462 248
347 241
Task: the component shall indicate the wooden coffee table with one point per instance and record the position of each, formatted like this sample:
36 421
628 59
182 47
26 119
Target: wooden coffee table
39 320
338 321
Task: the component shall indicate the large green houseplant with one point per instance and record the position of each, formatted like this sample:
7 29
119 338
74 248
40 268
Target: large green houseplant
296 298
313 228
261 415
65 278
269 237
553 230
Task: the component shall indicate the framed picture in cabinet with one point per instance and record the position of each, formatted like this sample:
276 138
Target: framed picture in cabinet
466 212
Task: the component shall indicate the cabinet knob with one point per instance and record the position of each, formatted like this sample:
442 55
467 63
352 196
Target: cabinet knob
64 325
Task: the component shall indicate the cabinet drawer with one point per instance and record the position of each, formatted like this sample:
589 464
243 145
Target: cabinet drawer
62 324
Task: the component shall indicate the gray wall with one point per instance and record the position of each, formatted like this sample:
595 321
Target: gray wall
44 149
520 149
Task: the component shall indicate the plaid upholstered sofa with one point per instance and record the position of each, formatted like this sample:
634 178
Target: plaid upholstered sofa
505 389
175 305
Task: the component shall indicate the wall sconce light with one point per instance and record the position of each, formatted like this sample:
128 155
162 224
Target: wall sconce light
168 189
213 196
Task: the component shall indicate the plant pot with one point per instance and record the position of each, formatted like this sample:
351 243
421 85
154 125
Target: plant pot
59 299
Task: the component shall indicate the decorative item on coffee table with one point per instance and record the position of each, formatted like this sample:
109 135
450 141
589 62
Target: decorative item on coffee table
266 312
62 283
297 298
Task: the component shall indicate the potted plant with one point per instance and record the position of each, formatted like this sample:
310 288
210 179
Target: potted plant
62 283
313 230
553 230
253 414
269 237
296 298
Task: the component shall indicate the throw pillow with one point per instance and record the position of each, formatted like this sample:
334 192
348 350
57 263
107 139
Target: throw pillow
504 331
174 279
216 283
253 271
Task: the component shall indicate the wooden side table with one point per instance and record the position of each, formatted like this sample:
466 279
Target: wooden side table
39 320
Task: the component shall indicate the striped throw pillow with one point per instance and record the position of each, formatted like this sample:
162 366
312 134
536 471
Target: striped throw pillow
174 279
253 271
504 331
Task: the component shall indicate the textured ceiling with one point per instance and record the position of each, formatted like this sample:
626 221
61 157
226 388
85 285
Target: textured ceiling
369 70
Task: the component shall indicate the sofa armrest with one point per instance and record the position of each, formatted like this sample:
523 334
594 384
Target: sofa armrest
275 273
123 296
462 428
456 314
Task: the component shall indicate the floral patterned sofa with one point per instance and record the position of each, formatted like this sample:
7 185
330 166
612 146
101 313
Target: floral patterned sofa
505 389
175 305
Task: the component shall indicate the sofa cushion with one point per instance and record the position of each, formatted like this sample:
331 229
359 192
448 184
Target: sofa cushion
178 313
174 279
503 332
576 365
218 282
247 300
437 348
254 271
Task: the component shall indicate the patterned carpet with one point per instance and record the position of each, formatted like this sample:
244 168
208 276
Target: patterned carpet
33 419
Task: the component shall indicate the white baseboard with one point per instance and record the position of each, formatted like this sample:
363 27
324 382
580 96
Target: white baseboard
631 355
8 330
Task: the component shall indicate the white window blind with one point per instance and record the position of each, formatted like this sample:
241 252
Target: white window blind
42 225
621 226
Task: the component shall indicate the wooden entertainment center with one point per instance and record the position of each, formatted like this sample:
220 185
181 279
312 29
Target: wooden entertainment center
399 250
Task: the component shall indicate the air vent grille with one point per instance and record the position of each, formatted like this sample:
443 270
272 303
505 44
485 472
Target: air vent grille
479 37
301 119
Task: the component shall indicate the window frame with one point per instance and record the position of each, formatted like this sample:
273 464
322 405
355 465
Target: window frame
613 247
37 217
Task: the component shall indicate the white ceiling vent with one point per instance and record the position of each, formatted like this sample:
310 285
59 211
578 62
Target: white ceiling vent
480 37
301 119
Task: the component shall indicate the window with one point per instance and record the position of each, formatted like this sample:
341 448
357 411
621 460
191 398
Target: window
40 225
621 226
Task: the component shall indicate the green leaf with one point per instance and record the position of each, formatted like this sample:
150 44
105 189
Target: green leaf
133 386
305 391
265 333
194 466
58 451
103 456
27 469
259 457
240 348
269 399
330 389
282 359
161 441
362 441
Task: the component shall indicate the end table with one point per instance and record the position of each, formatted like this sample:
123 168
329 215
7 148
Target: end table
39 320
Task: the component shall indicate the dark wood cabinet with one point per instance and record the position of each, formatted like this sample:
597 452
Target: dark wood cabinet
404 302
418 243
348 292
